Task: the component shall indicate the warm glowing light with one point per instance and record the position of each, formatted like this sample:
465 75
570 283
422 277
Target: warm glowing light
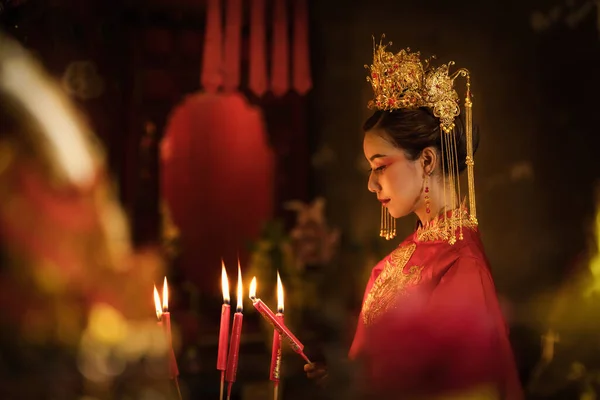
253 288
107 325
240 290
165 299
279 294
157 303
224 283
63 134
595 258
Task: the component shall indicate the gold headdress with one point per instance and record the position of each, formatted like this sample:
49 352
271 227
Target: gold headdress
403 81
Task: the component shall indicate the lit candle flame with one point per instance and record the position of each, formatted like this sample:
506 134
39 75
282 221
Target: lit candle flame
240 289
165 299
253 288
157 303
224 283
279 294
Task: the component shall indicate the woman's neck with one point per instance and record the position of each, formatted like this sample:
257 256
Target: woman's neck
440 201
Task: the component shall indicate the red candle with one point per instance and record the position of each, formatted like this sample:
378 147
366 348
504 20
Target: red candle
166 317
225 315
275 371
262 308
236 333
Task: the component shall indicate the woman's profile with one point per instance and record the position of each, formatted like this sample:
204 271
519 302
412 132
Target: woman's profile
430 323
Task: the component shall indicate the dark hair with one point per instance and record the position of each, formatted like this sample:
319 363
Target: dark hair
415 130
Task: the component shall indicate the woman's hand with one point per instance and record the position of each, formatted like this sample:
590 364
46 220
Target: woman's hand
316 371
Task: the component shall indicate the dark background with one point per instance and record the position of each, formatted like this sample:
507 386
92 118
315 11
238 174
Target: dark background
535 84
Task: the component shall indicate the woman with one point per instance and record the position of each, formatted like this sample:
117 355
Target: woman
431 323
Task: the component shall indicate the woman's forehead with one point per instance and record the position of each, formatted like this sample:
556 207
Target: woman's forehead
375 143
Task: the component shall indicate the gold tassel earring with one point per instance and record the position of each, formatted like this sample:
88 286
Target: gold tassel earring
388 224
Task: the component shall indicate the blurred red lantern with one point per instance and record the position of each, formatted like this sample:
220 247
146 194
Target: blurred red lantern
217 179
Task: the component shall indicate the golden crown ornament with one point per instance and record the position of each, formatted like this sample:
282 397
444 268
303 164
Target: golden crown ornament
402 80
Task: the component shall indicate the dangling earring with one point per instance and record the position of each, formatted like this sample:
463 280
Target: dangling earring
427 201
388 224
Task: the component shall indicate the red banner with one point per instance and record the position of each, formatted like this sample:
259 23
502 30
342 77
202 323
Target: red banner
280 75
210 76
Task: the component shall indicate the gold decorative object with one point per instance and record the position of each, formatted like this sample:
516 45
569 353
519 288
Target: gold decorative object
392 281
388 224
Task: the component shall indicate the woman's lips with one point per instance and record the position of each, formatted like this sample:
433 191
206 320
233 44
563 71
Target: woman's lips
384 201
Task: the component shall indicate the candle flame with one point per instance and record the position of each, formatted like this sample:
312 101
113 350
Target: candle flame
165 299
253 288
240 289
279 294
224 283
157 303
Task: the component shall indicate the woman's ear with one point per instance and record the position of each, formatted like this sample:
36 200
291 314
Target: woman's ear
429 160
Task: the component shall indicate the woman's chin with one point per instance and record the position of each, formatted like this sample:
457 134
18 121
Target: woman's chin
396 213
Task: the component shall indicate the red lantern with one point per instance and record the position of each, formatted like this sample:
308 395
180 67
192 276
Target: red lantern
217 179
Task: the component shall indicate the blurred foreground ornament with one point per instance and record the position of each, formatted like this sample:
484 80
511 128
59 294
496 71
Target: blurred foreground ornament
59 210
66 242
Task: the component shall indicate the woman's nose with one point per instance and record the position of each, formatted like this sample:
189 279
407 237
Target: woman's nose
372 184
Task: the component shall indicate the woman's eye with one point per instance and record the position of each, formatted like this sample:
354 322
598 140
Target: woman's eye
378 169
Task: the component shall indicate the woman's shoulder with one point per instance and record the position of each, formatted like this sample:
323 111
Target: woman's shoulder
466 254
470 259
470 246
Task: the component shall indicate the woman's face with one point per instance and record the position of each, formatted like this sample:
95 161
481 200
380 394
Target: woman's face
396 180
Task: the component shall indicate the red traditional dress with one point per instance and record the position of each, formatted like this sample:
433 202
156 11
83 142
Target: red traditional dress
431 323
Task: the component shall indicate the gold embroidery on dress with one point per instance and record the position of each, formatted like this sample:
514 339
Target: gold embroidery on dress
391 283
448 228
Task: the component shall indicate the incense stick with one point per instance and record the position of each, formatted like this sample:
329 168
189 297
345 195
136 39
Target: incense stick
178 390
222 385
